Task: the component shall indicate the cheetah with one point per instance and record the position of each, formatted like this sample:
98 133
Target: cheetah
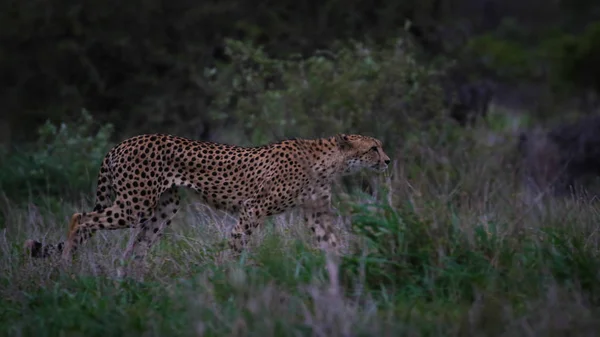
139 179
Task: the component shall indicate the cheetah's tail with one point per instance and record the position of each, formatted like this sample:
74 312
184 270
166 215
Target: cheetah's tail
36 249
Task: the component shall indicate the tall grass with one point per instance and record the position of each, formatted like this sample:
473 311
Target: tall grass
447 247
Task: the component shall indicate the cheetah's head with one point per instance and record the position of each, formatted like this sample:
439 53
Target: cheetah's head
362 152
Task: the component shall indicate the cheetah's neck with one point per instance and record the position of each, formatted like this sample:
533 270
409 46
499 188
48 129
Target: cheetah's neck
327 158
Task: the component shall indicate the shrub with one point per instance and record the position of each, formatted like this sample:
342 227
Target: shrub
62 163
564 64
578 58
385 92
413 254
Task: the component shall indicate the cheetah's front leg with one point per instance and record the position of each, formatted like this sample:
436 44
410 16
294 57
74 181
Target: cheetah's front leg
249 219
153 229
320 221
319 217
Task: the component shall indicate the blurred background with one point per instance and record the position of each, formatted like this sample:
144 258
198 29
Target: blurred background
152 65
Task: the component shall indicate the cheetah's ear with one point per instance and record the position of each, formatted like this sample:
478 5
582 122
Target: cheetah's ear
343 142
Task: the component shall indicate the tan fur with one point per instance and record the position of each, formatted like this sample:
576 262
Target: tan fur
144 172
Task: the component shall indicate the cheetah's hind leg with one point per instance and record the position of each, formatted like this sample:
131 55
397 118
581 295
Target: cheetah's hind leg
152 230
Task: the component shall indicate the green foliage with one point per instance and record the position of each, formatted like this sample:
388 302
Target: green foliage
430 279
62 163
348 88
560 65
509 59
406 253
568 61
139 64
579 55
571 261
121 309
408 256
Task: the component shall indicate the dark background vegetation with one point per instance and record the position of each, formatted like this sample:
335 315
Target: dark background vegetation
450 246
141 64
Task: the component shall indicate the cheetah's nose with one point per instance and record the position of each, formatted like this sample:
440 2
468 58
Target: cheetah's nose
387 161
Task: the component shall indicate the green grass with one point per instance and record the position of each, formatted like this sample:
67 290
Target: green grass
406 275
450 247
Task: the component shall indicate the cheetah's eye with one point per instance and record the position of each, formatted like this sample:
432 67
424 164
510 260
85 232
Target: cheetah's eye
374 148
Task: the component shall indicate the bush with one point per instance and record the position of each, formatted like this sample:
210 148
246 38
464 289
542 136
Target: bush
63 163
407 253
455 258
384 92
565 64
578 61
